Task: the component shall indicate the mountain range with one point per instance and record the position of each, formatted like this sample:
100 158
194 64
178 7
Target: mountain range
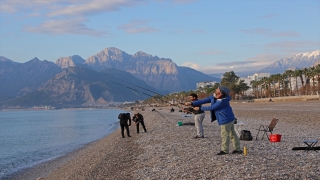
109 76
298 61
73 81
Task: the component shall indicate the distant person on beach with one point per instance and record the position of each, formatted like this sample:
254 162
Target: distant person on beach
172 110
124 118
198 116
138 119
220 104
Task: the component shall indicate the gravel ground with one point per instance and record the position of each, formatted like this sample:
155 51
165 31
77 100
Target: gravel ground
168 151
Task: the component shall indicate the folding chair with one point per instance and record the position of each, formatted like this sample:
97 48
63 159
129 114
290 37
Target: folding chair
267 129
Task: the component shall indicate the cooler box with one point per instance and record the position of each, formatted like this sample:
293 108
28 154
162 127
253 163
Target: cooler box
179 123
275 137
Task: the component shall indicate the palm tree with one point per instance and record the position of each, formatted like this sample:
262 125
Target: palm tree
273 79
265 83
318 76
254 85
296 75
278 78
306 73
299 72
313 74
289 73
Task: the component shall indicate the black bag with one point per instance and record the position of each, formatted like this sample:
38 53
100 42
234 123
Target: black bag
213 116
246 135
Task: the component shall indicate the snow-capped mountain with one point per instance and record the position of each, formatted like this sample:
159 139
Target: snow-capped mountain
298 61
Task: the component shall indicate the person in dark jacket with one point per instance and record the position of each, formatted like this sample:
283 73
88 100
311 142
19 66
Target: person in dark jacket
138 119
220 105
199 115
124 123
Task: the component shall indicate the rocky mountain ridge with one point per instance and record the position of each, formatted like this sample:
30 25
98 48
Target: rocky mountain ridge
302 60
160 73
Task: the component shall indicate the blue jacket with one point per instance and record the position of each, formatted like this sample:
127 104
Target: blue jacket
221 108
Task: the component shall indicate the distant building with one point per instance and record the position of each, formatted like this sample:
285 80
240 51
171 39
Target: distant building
254 77
258 76
206 84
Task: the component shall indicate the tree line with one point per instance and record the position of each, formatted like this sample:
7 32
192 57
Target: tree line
277 85
291 83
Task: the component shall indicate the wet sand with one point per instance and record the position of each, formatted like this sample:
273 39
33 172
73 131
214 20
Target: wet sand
168 151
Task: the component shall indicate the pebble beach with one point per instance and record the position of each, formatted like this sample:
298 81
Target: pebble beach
168 151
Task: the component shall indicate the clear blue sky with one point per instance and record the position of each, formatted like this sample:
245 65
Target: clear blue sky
208 35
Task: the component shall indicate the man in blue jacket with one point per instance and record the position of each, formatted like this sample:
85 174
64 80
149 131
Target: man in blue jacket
220 105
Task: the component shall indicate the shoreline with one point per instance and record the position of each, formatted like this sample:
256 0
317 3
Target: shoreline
44 168
167 151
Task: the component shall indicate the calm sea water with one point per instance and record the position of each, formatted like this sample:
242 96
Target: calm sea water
31 137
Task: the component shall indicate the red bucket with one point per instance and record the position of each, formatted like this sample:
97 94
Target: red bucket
275 137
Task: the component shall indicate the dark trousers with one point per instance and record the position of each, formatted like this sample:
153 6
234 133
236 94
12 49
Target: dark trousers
144 127
124 125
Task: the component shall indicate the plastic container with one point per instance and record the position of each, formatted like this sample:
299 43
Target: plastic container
180 123
275 137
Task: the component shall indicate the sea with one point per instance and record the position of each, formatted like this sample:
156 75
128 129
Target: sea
31 137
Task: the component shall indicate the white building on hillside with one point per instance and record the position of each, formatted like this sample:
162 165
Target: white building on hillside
205 84
258 76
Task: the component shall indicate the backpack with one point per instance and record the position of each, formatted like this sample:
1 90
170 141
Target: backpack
122 116
246 135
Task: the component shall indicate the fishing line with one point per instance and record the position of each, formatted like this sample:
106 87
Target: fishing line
135 90
144 89
154 110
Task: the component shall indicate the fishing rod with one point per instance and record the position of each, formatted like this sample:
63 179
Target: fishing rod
144 89
138 95
135 85
134 90
155 110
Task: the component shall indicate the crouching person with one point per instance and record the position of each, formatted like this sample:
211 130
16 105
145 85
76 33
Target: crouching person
138 119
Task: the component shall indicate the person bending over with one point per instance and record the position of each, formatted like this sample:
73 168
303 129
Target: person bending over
138 119
124 118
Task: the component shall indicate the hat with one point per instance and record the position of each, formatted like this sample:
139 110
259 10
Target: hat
224 90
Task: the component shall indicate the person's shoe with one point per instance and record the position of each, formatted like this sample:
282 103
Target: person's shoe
221 153
237 152
198 137
123 137
129 136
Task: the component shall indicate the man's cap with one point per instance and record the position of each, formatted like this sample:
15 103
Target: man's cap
224 90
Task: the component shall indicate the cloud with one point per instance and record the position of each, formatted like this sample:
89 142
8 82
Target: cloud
237 63
267 32
11 6
192 65
137 26
67 7
260 31
67 16
94 7
293 45
254 63
286 34
65 26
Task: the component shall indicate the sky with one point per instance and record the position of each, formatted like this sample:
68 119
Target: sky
211 36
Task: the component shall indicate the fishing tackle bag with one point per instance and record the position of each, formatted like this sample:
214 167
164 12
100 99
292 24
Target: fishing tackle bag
246 135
